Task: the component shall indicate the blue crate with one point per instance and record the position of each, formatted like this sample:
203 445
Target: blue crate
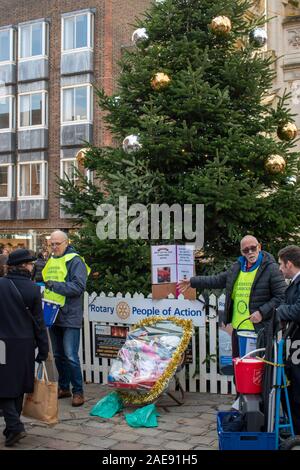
243 440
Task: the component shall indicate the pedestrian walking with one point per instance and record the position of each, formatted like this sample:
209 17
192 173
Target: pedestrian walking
22 329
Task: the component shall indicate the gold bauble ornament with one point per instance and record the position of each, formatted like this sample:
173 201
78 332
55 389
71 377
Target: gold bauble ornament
287 131
275 164
160 81
80 155
221 25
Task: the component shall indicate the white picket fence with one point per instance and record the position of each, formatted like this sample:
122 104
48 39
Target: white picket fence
200 376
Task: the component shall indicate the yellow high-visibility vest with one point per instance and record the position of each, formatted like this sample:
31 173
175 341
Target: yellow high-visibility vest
241 298
56 270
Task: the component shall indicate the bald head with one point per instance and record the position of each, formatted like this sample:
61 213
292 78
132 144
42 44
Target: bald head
249 239
250 248
59 242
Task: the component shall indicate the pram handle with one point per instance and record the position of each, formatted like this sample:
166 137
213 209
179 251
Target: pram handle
291 328
252 352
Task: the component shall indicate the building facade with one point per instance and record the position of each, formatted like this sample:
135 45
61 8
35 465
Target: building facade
52 54
284 44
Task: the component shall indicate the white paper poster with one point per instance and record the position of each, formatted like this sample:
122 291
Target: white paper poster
185 254
163 274
172 263
163 255
184 272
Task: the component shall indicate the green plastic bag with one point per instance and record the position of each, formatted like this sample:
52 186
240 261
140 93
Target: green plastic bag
108 406
143 417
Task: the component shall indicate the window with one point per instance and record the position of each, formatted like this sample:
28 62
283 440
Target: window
6 182
5 38
68 169
33 109
7 113
76 104
33 40
77 31
32 179
3 181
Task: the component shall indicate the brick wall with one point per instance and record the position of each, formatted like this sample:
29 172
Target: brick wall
112 30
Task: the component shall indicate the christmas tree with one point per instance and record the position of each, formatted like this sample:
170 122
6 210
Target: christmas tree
191 100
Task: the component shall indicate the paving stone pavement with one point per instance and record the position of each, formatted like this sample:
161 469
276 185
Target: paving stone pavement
191 426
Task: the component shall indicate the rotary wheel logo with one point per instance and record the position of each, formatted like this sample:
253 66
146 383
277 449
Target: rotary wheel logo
123 310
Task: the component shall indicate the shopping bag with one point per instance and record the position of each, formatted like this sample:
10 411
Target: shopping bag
108 406
42 404
143 417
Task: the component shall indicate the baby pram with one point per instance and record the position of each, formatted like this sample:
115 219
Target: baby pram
151 356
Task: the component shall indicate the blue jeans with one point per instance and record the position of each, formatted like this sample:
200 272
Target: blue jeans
65 343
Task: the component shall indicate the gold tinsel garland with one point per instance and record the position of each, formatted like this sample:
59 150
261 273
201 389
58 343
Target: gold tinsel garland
187 326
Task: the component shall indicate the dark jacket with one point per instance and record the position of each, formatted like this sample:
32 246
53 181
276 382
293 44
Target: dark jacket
290 309
290 312
19 335
267 291
37 270
70 315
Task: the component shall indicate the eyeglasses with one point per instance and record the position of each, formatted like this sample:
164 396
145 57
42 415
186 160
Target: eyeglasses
249 249
58 243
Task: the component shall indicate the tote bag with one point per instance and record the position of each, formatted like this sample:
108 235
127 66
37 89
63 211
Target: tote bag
42 404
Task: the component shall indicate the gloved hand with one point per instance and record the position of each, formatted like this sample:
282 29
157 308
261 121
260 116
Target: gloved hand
49 285
41 357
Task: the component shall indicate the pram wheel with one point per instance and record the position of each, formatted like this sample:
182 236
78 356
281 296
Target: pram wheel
292 443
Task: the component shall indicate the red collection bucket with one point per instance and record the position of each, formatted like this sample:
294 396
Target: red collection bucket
248 374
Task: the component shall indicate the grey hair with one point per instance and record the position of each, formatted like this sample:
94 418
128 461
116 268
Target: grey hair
60 232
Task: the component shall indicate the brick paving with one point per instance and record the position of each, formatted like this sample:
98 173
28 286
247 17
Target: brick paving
191 426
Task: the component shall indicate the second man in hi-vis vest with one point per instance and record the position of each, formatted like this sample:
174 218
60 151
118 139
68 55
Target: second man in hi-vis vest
254 287
65 276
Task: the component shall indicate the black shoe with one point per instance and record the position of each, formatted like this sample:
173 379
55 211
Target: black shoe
14 437
5 432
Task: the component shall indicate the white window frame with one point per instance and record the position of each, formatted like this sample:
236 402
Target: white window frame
67 160
45 40
90 32
12 113
87 173
44 180
89 113
44 124
10 182
12 50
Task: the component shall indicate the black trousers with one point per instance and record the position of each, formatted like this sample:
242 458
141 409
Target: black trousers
294 396
12 409
235 344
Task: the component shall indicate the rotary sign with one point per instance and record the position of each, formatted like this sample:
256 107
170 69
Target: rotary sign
131 311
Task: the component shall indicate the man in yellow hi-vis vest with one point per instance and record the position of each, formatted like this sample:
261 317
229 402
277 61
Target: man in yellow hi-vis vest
65 276
254 287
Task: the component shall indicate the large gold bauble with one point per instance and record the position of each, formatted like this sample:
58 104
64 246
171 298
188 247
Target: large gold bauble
221 25
287 131
80 155
160 81
275 164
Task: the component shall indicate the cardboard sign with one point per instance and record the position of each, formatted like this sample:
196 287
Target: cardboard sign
171 264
